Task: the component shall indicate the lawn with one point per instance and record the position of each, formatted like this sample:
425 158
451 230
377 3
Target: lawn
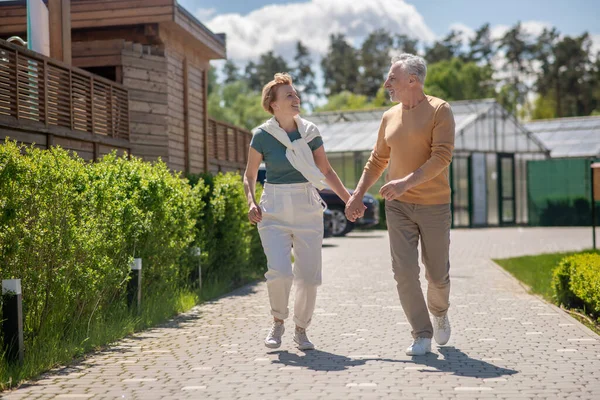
534 271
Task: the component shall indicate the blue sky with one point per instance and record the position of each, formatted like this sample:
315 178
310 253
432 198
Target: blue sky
571 17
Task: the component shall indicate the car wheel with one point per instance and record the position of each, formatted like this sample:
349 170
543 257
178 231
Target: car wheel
341 225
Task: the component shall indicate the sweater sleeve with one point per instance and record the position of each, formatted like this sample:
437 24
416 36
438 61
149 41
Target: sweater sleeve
442 143
380 156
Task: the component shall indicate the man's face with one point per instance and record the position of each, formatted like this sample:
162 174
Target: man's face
397 83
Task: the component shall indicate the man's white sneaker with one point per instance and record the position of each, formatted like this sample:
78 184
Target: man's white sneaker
441 329
419 347
273 339
302 340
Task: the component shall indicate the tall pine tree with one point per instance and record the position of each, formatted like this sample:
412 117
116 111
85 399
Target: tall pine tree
304 77
375 62
340 66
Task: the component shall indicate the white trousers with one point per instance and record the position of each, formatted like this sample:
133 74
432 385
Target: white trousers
292 217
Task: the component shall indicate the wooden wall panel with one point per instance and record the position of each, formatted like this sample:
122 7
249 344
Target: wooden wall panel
196 112
13 20
87 14
95 13
176 121
28 138
145 76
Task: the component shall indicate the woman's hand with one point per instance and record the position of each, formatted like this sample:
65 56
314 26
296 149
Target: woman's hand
255 214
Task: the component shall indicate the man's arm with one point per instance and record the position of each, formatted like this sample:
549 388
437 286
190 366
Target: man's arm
375 166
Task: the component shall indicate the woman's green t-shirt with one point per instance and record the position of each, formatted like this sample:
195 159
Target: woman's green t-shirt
279 169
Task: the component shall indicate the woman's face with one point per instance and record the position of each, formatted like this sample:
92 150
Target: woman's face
287 102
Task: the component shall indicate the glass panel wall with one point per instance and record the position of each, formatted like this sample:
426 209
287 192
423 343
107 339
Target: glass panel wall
492 186
460 191
507 190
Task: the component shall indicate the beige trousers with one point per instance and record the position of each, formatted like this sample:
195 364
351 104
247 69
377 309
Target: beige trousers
407 223
292 217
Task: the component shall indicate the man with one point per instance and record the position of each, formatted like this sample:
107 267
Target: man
416 138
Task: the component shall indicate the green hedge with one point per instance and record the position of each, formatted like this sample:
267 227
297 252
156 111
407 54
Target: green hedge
231 247
566 211
69 230
576 282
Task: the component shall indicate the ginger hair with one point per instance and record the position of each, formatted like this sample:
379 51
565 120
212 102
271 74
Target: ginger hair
270 89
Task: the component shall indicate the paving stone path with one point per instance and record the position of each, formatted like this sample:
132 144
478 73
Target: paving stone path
506 343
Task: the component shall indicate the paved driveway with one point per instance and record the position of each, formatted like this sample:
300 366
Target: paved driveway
506 343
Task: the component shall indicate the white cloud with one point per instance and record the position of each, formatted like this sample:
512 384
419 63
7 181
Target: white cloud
467 33
595 44
205 13
532 28
278 27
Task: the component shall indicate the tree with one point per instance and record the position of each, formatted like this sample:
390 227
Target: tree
304 77
212 80
251 76
404 44
268 65
518 50
446 49
481 46
382 99
544 107
375 62
567 73
596 84
350 101
237 104
340 66
456 80
345 100
230 70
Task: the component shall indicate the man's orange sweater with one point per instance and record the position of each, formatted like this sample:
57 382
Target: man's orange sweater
422 137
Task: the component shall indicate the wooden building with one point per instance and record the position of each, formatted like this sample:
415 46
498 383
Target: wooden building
158 55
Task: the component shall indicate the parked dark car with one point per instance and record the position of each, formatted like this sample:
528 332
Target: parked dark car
340 225
327 224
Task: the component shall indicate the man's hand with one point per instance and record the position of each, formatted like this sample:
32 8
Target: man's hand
394 189
355 208
255 214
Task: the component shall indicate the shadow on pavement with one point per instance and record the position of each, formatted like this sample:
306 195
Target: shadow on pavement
461 364
317 360
455 362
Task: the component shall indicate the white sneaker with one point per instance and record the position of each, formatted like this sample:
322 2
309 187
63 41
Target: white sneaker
441 329
302 340
273 339
419 347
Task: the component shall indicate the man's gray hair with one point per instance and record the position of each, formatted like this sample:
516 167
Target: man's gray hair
413 65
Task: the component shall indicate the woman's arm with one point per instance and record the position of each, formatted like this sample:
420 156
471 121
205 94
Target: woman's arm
254 160
331 177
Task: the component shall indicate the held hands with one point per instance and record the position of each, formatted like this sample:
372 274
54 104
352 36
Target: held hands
394 189
355 208
255 214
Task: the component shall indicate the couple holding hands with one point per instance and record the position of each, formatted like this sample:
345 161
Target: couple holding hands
415 143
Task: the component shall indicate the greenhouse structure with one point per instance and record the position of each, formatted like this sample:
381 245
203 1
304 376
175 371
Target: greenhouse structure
559 192
489 168
571 137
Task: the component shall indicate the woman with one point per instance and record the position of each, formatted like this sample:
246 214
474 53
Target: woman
290 212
